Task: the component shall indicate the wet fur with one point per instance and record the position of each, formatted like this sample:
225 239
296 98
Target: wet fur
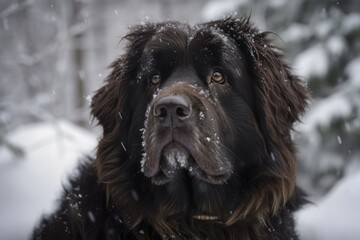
112 199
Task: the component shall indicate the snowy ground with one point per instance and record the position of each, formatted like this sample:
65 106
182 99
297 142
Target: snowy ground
336 216
29 185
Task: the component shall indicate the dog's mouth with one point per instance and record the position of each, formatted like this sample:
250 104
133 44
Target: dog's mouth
174 157
177 160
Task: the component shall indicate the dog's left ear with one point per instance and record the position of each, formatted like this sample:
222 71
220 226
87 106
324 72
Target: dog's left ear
280 100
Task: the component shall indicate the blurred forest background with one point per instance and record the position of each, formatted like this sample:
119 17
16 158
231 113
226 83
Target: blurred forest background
55 54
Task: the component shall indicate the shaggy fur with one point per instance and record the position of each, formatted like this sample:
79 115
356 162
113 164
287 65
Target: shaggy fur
196 140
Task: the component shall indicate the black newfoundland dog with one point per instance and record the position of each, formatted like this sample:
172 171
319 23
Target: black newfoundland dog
196 140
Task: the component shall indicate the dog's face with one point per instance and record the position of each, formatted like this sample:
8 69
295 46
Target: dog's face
200 107
196 124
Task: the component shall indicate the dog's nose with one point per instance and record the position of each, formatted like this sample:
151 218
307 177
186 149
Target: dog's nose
172 110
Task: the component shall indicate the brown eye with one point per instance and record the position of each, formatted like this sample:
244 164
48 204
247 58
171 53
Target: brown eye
155 79
217 77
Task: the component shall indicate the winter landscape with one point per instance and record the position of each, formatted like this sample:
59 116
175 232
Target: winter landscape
55 54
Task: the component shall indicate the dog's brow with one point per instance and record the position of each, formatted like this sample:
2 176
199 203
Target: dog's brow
220 36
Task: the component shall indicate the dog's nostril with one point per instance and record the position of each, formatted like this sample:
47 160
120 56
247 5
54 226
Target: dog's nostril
160 111
163 112
182 112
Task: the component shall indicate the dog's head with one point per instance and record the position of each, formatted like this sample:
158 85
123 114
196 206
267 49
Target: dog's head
197 124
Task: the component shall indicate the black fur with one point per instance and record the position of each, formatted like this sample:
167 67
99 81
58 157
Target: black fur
213 159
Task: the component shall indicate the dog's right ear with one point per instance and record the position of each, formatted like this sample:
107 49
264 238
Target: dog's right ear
110 103
106 105
111 107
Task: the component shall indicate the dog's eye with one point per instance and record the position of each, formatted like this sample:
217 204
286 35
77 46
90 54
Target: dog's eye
155 79
217 77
